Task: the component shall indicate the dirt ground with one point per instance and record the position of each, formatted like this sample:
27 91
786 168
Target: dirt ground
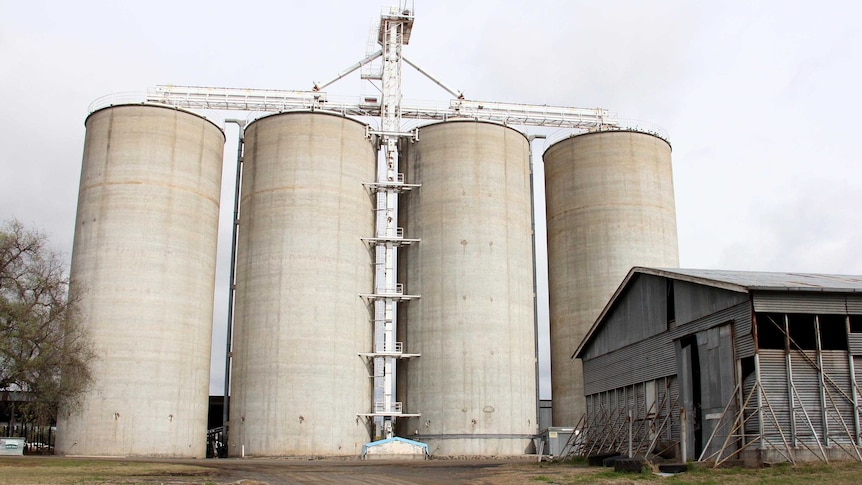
250 471
274 472
48 470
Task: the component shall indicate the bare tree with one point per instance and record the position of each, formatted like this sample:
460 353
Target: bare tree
44 350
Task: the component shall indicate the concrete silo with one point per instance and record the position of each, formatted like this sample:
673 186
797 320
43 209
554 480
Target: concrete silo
610 206
475 382
298 382
143 268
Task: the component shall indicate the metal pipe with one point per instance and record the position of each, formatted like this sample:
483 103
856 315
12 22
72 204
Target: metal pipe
740 398
535 278
820 377
760 413
371 57
457 94
854 390
788 365
630 432
232 288
683 431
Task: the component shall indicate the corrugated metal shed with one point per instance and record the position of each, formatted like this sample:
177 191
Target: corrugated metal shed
743 282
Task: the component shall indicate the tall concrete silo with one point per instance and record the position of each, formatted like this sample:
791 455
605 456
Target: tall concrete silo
143 267
610 206
298 382
475 382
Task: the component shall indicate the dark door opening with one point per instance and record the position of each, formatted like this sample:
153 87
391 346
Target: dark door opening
691 393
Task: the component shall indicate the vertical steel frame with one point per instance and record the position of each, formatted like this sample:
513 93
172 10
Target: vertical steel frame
392 37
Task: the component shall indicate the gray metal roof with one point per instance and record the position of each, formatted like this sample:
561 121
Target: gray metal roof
758 280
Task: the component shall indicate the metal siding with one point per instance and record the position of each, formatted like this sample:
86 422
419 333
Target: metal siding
640 404
655 358
667 407
676 402
806 381
606 426
650 359
854 304
739 314
545 414
839 404
744 346
751 426
854 342
695 301
857 367
718 381
798 302
773 378
743 338
638 314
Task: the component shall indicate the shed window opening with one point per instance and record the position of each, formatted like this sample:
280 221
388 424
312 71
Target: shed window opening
855 323
770 330
670 305
833 332
803 333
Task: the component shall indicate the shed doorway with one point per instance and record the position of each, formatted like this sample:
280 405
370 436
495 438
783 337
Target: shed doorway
707 383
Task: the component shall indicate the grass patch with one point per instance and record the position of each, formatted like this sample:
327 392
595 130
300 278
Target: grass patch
833 474
843 473
578 460
67 471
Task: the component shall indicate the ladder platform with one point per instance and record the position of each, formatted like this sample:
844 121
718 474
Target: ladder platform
383 415
397 355
400 241
369 297
399 187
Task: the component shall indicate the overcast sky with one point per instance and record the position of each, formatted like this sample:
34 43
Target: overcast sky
760 98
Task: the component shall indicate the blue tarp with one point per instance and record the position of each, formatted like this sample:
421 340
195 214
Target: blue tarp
366 446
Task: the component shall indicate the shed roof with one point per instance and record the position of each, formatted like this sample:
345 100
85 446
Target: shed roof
758 280
740 281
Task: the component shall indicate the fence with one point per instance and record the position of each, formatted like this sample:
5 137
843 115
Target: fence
39 440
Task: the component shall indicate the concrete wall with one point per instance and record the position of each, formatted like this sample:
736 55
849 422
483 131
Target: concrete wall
298 382
143 266
610 206
475 381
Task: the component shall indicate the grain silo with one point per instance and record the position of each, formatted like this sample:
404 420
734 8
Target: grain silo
143 268
298 382
610 206
474 383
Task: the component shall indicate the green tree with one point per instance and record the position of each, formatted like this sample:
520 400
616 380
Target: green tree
44 349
